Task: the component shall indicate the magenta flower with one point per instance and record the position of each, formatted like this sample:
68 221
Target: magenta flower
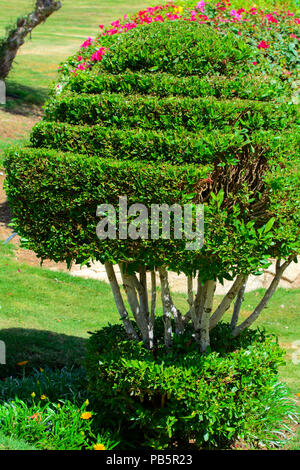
235 14
263 45
87 43
201 5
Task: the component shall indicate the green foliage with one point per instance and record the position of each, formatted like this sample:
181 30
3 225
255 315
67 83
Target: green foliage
50 410
169 113
177 146
11 443
165 84
138 128
176 47
172 397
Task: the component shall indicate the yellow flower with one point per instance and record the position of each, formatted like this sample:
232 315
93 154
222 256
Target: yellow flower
178 10
86 415
23 363
298 395
58 405
99 447
41 370
87 402
33 394
43 397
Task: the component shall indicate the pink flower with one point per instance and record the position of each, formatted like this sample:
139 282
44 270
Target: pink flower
271 18
294 36
201 5
98 55
87 43
254 63
235 14
101 26
263 45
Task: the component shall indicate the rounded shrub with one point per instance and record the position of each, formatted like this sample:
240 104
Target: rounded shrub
180 397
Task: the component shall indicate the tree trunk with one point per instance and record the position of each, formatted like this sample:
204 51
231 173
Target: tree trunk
264 301
226 302
238 304
119 302
10 45
169 308
2 92
209 290
132 288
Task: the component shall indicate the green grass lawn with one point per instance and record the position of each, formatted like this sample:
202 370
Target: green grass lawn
46 317
11 443
60 36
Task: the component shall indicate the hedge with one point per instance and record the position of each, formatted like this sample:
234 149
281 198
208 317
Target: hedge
178 146
261 87
170 399
158 142
176 47
149 112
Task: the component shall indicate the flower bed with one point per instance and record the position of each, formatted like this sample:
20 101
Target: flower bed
273 35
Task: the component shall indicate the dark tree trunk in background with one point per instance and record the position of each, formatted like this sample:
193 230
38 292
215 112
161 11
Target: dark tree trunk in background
10 45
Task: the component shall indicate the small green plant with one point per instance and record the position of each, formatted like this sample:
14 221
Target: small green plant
50 410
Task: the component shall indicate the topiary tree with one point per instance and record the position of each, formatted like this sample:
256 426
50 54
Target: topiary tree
171 114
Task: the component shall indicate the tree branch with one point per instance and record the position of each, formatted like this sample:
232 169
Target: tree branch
264 301
168 304
119 302
132 286
238 304
153 308
10 45
209 290
226 302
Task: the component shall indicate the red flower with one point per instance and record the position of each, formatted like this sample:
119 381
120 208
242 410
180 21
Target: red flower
263 45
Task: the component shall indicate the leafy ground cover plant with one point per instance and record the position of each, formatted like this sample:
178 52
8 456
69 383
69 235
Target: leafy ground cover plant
47 410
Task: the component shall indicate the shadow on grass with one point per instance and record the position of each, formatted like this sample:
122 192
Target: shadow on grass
22 99
40 348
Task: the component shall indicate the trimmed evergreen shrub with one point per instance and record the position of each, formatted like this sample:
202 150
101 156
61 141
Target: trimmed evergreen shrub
168 114
180 397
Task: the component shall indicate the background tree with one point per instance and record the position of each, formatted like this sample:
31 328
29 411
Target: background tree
16 34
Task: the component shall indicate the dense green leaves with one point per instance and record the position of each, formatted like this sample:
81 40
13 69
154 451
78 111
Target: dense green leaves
176 47
168 113
163 84
182 395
